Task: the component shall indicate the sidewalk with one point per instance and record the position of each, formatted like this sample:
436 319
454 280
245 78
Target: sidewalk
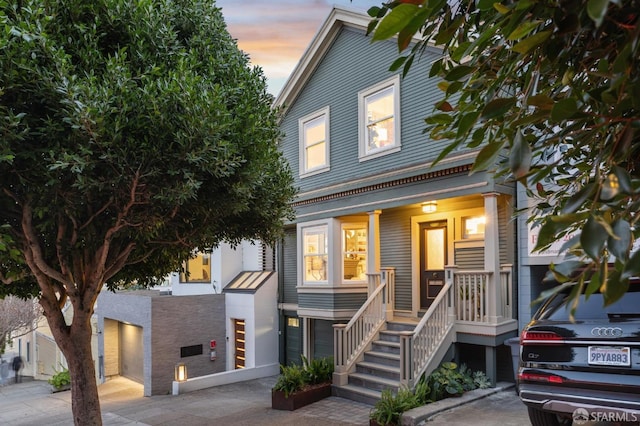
31 403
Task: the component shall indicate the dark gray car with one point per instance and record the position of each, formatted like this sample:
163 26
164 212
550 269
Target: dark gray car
582 370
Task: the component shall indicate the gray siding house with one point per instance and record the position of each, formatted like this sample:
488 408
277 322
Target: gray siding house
392 264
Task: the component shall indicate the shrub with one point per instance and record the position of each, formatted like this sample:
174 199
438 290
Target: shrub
60 379
388 410
295 377
447 381
319 370
291 379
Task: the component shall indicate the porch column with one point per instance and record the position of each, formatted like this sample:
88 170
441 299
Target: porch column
492 257
373 242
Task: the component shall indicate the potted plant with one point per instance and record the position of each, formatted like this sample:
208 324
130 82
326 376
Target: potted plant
61 381
300 385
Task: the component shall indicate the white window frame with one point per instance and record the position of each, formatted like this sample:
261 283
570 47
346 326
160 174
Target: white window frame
302 122
302 232
363 152
343 251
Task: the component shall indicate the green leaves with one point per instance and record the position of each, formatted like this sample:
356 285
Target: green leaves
597 9
395 21
556 90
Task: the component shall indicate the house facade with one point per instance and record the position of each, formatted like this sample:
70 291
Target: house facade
218 318
393 264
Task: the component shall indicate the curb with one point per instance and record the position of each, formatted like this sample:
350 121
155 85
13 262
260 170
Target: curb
417 415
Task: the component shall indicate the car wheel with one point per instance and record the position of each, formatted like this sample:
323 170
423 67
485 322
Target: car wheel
543 418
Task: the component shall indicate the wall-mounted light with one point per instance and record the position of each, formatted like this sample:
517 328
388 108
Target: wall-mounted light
180 373
429 207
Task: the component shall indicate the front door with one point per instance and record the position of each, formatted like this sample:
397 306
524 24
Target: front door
239 344
433 257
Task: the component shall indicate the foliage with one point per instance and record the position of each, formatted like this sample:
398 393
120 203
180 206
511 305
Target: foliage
555 86
291 379
480 380
295 377
60 379
389 409
446 381
133 133
318 370
422 391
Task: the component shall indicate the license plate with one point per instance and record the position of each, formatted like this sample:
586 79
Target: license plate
609 356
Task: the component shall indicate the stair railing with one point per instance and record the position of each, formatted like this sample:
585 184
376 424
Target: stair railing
351 339
419 347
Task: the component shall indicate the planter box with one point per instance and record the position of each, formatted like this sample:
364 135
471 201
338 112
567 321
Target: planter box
301 398
60 389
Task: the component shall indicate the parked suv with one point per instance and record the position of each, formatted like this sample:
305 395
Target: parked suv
583 370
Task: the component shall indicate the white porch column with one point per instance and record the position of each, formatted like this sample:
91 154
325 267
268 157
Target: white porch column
373 242
492 257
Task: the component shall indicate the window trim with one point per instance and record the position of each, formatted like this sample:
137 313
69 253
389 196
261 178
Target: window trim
363 153
303 171
302 230
357 225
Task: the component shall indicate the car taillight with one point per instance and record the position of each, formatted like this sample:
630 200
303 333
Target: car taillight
539 337
535 377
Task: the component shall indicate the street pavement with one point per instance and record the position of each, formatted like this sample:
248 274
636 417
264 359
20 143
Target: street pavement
31 403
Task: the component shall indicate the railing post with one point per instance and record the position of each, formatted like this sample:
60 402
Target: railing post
340 376
492 258
452 298
373 281
406 359
389 277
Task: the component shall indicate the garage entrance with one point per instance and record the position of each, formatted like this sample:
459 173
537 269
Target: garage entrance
131 352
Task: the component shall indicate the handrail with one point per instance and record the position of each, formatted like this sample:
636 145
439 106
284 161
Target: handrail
426 337
351 339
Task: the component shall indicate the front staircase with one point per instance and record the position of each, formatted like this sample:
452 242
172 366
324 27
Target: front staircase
380 367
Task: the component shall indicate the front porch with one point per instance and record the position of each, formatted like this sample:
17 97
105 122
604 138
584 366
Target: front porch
471 303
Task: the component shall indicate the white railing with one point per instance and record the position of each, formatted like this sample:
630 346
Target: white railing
506 283
419 347
351 339
471 295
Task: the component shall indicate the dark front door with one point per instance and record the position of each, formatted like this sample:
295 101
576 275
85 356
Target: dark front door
433 257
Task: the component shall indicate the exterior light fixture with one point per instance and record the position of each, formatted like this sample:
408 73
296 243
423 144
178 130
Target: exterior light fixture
180 373
429 207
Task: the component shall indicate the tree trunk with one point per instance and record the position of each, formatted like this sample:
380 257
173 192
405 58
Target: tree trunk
75 343
85 402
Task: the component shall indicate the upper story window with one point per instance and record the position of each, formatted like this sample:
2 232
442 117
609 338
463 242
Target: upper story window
315 254
379 119
354 252
314 142
197 269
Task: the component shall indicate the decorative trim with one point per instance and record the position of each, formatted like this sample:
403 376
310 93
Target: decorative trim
385 185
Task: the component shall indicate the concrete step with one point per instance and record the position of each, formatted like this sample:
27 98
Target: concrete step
372 382
386 346
383 358
355 393
380 370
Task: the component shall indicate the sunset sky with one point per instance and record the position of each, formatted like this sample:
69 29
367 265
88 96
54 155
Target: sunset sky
276 33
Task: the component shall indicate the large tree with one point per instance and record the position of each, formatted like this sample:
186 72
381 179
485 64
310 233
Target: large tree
550 91
132 132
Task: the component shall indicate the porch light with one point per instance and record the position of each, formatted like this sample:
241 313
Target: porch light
429 206
180 373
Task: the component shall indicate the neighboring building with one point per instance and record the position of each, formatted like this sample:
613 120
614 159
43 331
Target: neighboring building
41 355
218 318
383 239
